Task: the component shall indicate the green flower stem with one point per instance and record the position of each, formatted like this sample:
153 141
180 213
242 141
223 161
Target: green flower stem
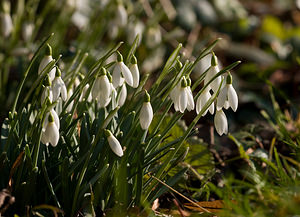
27 71
69 69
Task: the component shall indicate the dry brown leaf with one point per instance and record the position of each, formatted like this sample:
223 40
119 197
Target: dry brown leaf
14 167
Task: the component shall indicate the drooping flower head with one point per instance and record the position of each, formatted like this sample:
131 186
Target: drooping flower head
45 61
113 143
202 100
135 72
121 73
51 133
220 122
190 102
59 87
182 97
213 70
6 24
228 96
47 91
146 114
121 16
102 88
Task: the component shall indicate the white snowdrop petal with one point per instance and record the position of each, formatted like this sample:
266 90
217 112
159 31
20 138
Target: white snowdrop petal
45 61
215 84
226 105
174 93
222 97
103 102
96 89
190 102
198 105
146 115
126 73
123 95
63 92
6 24
115 145
182 100
232 98
211 108
213 70
121 16
55 117
52 133
105 87
135 75
47 92
117 80
220 122
44 139
52 74
45 122
206 96
56 86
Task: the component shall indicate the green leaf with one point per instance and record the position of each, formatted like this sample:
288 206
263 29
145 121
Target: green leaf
132 49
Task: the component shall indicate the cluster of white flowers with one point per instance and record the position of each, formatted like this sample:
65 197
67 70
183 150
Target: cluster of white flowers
182 96
106 87
53 88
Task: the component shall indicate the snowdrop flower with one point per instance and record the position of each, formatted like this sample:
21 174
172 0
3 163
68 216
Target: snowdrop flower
190 103
59 87
27 30
55 117
70 93
121 73
113 143
113 29
47 91
146 113
123 95
121 16
202 100
220 121
182 96
153 37
6 21
45 61
6 24
135 72
213 70
51 133
135 29
227 96
83 94
102 89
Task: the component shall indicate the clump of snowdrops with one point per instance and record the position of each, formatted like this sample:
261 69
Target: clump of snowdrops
83 142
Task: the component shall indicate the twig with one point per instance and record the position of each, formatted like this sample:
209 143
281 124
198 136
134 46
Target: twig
172 189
